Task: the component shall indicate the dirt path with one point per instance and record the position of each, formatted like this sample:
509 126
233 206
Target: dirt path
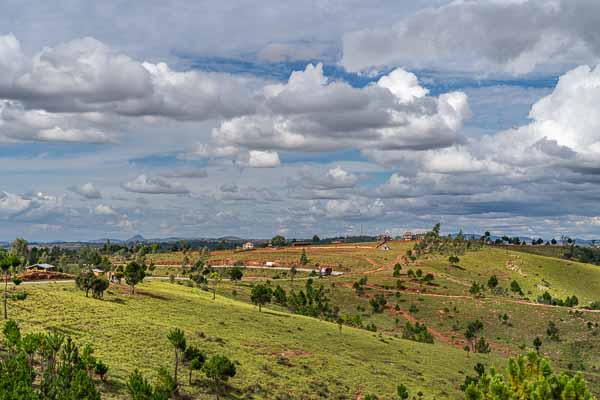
439 336
378 268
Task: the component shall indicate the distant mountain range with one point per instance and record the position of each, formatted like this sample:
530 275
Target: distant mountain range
138 238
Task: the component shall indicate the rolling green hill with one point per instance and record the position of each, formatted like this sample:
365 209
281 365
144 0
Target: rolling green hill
279 354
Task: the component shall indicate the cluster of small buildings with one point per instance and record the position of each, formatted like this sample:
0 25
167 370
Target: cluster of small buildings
408 236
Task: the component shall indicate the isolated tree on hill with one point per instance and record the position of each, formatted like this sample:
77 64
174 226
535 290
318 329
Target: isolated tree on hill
215 277
453 260
134 273
397 269
177 339
219 369
8 265
293 272
261 295
278 241
492 282
303 257
195 360
316 239
515 287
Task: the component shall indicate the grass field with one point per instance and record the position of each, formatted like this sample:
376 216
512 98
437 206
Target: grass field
279 354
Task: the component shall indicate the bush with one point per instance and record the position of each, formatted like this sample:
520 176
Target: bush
19 296
552 331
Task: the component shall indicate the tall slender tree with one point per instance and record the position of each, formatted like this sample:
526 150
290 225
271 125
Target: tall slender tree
8 265
177 339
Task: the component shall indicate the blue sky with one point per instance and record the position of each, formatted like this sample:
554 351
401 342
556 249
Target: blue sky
299 118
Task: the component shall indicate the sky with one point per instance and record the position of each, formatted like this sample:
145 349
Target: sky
328 117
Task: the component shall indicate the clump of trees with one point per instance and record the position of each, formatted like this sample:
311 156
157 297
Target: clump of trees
378 303
434 243
312 302
278 241
47 366
546 298
359 286
528 377
88 281
472 334
417 332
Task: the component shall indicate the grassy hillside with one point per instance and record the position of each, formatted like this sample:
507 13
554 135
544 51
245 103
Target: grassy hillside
536 274
280 355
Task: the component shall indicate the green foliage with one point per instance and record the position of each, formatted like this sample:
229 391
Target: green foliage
279 296
261 295
546 298
138 387
236 274
65 375
402 392
516 288
86 281
397 269
219 369
476 288
134 273
278 241
177 339
101 369
528 377
482 346
166 385
552 331
312 302
492 283
194 358
303 257
417 332
378 303
359 286
537 343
